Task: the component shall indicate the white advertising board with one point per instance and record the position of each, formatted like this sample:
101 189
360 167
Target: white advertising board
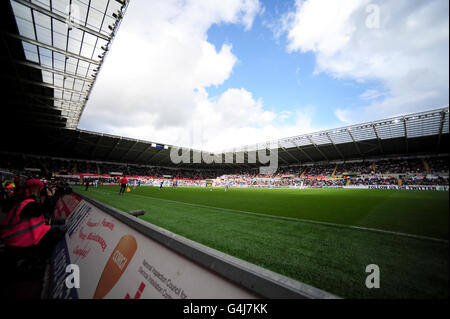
115 261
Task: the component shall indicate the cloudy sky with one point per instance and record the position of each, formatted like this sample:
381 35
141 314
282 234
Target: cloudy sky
214 74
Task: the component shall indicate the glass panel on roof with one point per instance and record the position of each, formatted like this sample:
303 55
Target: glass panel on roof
61 7
24 20
58 93
82 68
340 137
320 139
31 53
363 133
94 20
445 126
73 45
302 141
42 3
20 11
47 77
59 80
68 83
78 85
43 28
26 29
59 63
76 34
45 56
287 144
67 95
79 12
99 5
89 42
71 65
391 129
59 34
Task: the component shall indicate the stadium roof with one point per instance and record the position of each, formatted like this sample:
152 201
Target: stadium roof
51 53
396 135
424 133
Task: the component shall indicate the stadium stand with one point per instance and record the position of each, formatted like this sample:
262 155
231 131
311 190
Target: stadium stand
411 171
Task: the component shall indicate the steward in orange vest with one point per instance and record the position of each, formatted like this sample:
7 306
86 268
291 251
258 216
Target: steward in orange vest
25 225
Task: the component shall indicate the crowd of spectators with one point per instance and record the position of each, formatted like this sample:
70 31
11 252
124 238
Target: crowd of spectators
438 164
373 181
413 171
400 166
363 168
438 181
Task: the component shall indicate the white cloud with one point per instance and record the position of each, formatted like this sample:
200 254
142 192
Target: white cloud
408 53
370 94
152 84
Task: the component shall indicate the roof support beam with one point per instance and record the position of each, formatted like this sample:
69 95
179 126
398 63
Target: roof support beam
303 152
150 159
354 142
43 68
113 149
144 152
129 150
49 47
50 98
279 157
287 152
441 128
44 84
62 18
317 148
406 134
27 113
96 145
335 147
378 139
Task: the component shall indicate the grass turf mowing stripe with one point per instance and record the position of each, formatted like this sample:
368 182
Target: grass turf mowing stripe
330 258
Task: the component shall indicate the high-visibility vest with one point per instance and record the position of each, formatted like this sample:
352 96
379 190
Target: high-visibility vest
22 232
10 189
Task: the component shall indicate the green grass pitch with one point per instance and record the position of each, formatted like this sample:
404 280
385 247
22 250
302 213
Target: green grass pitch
323 237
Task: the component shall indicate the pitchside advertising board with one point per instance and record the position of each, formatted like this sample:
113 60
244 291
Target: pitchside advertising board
115 261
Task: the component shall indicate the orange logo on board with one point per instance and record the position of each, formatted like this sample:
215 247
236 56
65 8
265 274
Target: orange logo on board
116 265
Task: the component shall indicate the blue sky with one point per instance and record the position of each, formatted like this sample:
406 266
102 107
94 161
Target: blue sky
215 75
285 81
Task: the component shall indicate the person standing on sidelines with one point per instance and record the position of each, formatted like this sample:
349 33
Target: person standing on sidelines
26 223
123 185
